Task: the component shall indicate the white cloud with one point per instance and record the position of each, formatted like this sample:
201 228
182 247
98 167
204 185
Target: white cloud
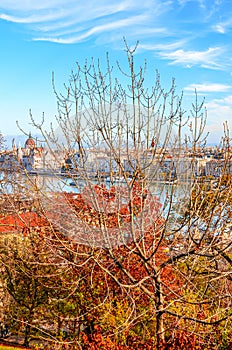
32 5
223 27
220 28
162 47
95 30
208 7
216 103
208 87
219 111
184 2
33 18
150 21
82 19
70 9
207 59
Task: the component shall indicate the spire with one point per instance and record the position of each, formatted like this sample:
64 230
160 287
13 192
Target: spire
14 147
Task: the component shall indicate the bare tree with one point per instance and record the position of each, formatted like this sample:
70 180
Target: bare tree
139 223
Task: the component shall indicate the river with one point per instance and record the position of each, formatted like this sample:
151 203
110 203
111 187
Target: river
18 183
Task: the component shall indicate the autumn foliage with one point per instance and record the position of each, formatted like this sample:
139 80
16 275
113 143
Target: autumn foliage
74 291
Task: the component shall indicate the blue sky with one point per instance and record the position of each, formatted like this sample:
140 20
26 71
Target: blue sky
189 40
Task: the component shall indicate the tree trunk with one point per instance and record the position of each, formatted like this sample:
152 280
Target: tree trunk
27 335
159 313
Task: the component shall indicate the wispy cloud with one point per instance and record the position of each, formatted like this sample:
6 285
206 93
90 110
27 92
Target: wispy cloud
201 3
167 47
32 5
206 59
48 17
225 101
95 30
208 87
150 21
219 111
34 18
208 7
66 9
223 27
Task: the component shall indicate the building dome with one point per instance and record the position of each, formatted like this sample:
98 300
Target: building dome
30 142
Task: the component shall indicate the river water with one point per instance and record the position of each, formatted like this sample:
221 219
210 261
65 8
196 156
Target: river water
17 183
